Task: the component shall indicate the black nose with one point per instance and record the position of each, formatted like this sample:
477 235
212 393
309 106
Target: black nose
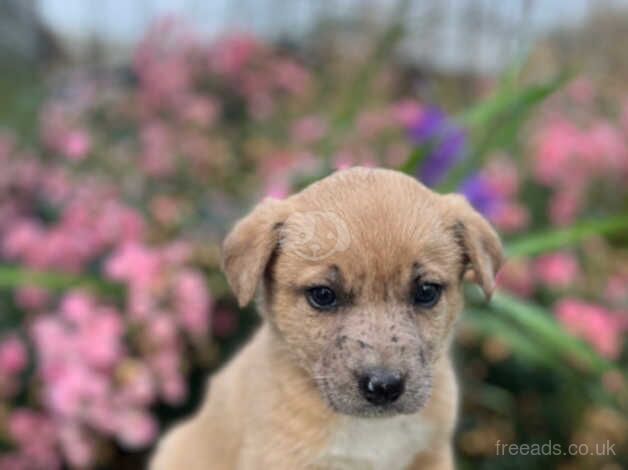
381 386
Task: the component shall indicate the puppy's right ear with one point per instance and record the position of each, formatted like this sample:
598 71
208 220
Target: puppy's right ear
249 246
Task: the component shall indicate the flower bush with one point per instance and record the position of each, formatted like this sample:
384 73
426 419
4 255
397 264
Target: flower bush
110 224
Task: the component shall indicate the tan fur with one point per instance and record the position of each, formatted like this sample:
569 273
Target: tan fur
289 399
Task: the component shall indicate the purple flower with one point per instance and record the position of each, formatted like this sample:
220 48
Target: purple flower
481 195
446 143
428 125
443 157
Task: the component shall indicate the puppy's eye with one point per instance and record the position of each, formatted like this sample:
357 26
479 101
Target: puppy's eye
321 297
427 294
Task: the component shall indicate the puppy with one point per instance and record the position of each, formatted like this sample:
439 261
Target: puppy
359 280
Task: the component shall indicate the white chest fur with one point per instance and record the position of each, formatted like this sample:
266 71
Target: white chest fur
376 444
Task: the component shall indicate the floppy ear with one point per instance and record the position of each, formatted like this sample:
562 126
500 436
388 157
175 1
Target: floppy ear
249 246
483 254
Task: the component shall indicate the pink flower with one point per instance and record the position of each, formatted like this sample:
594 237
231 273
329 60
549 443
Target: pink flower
118 223
517 276
13 356
277 189
77 307
31 297
167 367
343 161
406 112
233 53
135 429
51 338
510 217
556 144
100 340
565 206
592 323
617 288
173 389
192 302
162 329
603 148
309 129
503 176
199 110
138 384
291 77
165 209
158 153
70 387
25 424
99 414
75 144
35 436
77 445
134 263
21 238
557 269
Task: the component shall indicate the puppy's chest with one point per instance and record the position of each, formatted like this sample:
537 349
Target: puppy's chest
375 444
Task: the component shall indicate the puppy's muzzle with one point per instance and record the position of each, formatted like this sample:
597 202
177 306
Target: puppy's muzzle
381 386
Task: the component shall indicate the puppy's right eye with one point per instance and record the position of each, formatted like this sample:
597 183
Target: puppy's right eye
321 297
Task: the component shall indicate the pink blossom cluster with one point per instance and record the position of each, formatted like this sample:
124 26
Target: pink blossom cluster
574 150
91 367
187 97
503 179
64 136
172 64
602 323
382 127
558 270
602 328
13 361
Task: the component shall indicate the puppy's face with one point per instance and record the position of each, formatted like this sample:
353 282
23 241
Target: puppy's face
362 280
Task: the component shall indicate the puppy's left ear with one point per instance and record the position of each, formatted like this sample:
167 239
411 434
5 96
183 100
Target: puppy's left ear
483 254
249 246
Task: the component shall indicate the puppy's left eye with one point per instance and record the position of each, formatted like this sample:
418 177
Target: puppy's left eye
321 297
427 294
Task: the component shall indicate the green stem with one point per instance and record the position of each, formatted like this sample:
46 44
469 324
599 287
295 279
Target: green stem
362 82
538 243
15 276
543 326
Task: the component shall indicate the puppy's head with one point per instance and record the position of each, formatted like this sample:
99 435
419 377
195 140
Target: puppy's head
361 278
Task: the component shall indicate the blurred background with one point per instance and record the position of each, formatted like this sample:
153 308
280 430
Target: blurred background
133 134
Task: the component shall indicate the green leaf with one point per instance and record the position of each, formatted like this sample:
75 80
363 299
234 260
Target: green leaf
538 243
360 86
390 37
507 99
542 325
415 159
14 276
523 346
497 122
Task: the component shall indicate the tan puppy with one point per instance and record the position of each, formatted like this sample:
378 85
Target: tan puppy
359 279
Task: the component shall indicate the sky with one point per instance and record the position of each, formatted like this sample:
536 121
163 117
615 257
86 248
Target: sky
123 21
